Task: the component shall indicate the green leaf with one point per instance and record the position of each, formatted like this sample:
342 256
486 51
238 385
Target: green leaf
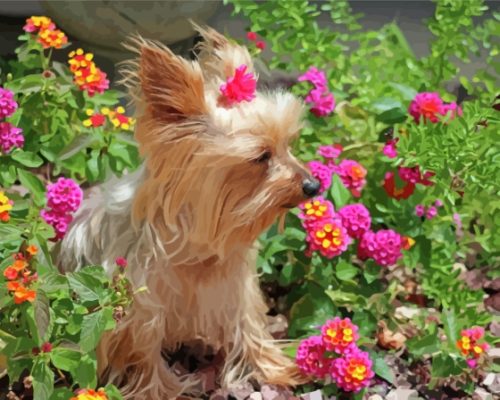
392 116
450 326
86 373
62 394
345 271
43 380
65 359
340 194
27 158
423 346
381 368
444 366
407 92
85 286
34 185
93 326
112 392
42 315
371 271
310 312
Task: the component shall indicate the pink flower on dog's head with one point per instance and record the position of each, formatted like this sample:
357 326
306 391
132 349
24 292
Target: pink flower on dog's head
240 87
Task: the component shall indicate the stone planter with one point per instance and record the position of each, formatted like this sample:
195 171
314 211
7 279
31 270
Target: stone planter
103 25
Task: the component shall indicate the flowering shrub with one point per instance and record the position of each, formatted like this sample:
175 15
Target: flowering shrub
386 136
50 324
395 137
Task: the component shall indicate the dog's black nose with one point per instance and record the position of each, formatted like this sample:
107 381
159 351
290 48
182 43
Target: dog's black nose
310 187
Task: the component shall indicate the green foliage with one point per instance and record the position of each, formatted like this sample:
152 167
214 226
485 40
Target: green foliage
53 337
374 75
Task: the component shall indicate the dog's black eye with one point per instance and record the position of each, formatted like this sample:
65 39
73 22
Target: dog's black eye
264 157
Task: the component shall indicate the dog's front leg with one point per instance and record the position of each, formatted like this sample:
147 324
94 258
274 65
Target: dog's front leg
131 356
253 353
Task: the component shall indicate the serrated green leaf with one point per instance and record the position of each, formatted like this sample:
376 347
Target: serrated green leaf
43 380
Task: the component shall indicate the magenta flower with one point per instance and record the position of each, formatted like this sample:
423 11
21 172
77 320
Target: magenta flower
383 246
10 137
8 105
453 109
58 220
353 371
240 87
314 75
328 237
121 262
438 203
356 219
322 173
339 335
330 152
419 210
310 357
389 149
64 196
431 212
315 210
426 106
352 175
323 102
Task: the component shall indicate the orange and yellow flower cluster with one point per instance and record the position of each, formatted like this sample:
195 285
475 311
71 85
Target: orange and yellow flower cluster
47 33
469 344
20 278
5 206
116 117
90 394
86 75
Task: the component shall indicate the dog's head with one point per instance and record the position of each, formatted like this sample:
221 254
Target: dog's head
218 174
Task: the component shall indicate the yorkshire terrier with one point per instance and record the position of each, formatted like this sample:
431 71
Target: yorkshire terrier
215 176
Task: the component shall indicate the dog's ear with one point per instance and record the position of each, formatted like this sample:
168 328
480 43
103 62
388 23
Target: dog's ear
171 86
220 57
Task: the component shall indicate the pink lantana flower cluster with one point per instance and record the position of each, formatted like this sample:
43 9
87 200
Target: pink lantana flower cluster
428 106
429 212
383 246
63 198
334 353
351 173
239 87
469 345
322 100
330 233
10 135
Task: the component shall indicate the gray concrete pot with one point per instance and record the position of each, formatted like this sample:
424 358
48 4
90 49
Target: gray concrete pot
102 25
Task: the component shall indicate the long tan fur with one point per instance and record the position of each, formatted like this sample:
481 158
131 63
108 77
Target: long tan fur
187 220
